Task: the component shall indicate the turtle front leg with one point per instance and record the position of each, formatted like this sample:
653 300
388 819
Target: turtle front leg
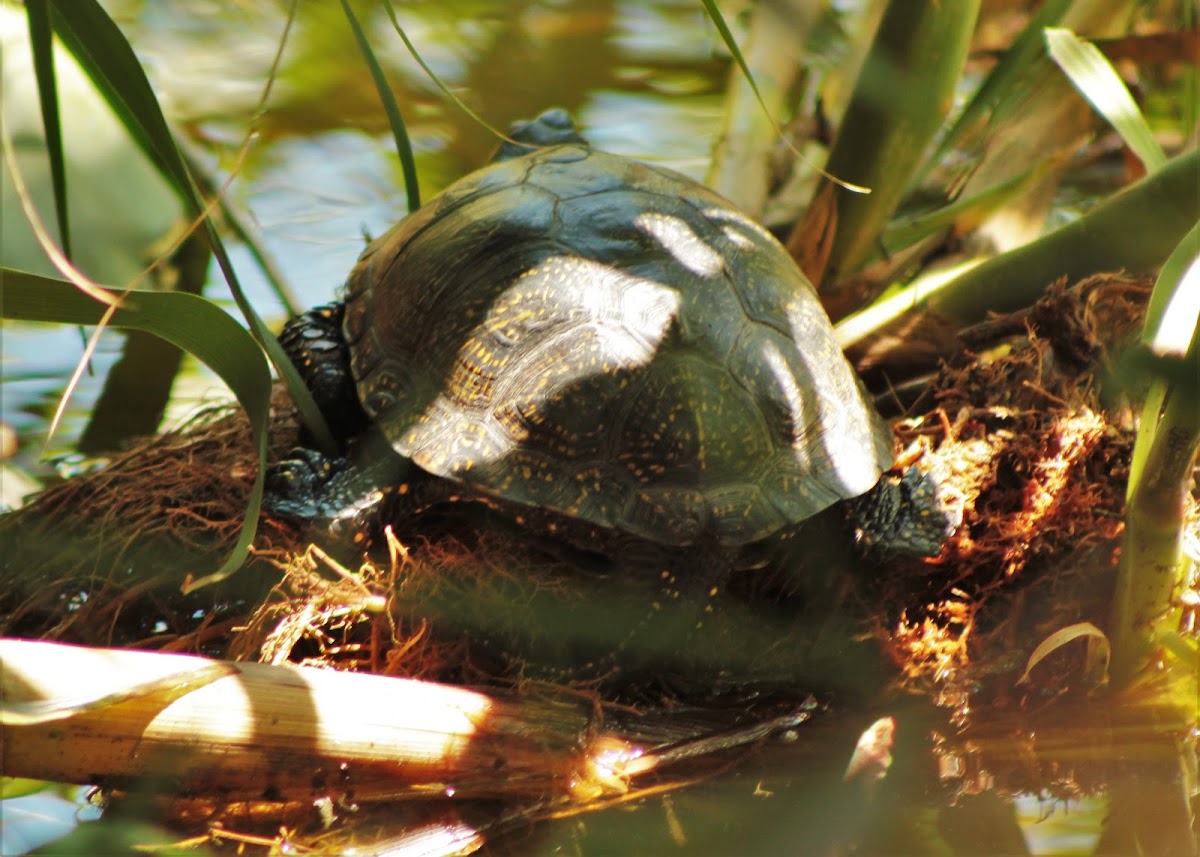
317 348
330 496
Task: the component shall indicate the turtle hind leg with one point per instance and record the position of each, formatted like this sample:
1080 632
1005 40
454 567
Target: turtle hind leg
344 500
315 344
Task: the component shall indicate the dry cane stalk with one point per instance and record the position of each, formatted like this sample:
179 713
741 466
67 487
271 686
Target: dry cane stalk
253 731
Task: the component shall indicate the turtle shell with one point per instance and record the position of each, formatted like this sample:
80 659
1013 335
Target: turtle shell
584 333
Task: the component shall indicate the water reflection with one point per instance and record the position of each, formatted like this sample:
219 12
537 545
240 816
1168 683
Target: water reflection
324 174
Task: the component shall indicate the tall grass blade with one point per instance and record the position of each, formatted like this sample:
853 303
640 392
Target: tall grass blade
997 88
740 169
41 44
235 224
1174 310
194 324
1117 234
432 75
900 100
1154 564
231 218
1098 82
399 132
105 55
29 208
1189 83
963 214
137 387
1172 318
718 21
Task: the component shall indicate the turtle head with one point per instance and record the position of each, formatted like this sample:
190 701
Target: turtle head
910 515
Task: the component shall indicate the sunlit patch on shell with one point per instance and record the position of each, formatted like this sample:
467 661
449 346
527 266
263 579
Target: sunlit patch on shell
738 228
538 343
681 241
833 411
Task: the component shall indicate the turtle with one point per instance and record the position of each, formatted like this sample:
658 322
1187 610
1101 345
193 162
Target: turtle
601 345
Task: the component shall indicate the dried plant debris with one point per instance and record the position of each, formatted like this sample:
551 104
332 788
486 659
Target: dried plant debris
99 557
1030 436
1005 630
315 618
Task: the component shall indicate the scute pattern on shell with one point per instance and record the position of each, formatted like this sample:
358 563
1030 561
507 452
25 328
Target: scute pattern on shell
585 333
